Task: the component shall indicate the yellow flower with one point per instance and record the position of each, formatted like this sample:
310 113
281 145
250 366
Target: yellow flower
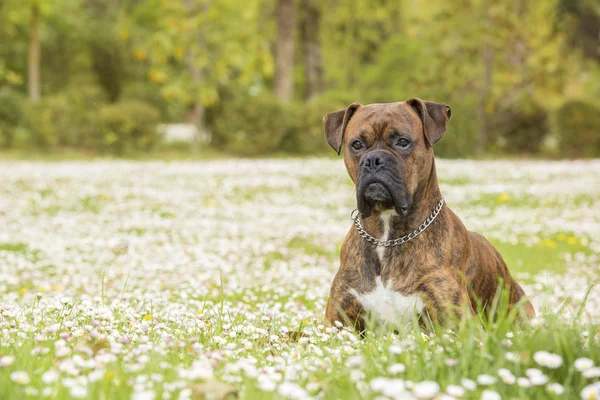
502 197
124 34
157 76
140 54
13 78
148 317
179 53
572 240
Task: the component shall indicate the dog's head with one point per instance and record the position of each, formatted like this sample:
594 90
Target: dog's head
387 149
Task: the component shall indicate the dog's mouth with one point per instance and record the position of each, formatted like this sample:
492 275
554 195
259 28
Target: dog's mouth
380 196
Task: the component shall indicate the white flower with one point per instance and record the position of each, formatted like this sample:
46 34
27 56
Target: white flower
395 369
486 380
20 377
312 387
523 382
538 380
583 363
536 377
355 375
219 340
79 392
6 361
145 395
354 362
62 352
426 389
591 373
50 376
468 384
266 385
292 391
96 375
445 396
512 357
455 390
378 384
556 388
506 376
394 388
490 395
395 349
546 359
591 392
533 372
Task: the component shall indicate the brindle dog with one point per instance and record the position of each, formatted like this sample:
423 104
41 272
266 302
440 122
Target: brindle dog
446 269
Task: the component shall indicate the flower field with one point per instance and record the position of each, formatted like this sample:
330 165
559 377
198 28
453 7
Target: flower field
130 280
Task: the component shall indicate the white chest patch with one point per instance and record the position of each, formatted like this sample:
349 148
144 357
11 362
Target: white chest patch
388 306
385 216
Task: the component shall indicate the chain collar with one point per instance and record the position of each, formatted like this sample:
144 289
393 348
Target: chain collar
355 216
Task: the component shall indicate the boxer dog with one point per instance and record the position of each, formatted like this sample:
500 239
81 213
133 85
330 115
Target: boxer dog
408 253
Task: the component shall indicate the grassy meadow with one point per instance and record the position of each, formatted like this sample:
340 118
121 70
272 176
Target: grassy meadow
187 280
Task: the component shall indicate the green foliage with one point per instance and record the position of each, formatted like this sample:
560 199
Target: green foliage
80 118
11 114
307 137
127 126
522 128
578 125
179 56
66 119
151 94
461 136
254 125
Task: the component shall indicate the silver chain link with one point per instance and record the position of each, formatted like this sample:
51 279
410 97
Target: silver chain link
355 216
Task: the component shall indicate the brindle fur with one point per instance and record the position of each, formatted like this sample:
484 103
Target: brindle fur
448 267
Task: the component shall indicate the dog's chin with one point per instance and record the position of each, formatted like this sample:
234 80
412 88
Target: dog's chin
377 197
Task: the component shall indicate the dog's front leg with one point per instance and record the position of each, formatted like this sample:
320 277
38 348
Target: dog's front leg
445 297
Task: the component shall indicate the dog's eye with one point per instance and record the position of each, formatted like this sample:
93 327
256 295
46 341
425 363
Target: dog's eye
357 145
403 143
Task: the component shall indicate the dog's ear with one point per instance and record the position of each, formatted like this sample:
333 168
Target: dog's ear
335 125
434 116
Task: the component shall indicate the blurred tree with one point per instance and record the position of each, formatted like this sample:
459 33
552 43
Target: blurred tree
583 20
102 21
33 81
310 37
355 31
504 66
194 47
284 49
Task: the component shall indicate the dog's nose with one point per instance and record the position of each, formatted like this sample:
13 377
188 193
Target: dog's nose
374 162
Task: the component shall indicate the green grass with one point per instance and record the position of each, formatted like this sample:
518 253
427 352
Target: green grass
471 350
547 256
249 306
14 247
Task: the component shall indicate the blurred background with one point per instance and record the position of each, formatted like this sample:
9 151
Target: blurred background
255 77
